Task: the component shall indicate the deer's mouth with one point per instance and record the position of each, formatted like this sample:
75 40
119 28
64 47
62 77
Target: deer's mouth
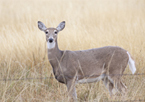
50 44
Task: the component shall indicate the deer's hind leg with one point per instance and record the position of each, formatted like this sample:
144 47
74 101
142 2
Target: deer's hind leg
118 84
121 87
109 85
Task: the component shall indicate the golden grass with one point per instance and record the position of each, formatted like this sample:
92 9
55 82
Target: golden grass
89 24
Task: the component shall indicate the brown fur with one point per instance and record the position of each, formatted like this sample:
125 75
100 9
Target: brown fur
88 62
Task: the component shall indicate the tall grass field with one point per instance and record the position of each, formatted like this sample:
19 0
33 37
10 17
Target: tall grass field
25 72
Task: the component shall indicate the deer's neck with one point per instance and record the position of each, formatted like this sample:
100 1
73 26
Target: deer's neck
54 54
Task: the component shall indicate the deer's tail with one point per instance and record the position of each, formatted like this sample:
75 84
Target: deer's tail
131 63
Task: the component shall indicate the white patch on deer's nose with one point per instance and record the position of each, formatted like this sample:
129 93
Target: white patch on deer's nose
50 45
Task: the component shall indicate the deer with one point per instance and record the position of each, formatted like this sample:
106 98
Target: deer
86 66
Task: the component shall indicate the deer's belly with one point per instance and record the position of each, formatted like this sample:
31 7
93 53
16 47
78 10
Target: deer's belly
90 80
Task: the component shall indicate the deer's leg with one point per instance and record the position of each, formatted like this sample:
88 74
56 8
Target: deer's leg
123 87
109 85
71 90
119 85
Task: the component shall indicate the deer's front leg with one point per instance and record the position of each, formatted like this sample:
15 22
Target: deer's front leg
71 90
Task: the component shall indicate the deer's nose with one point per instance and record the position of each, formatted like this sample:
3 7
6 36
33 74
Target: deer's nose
50 40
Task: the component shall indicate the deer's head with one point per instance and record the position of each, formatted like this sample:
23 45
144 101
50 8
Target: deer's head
51 33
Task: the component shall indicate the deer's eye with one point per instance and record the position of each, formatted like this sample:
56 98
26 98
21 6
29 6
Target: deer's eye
46 32
55 32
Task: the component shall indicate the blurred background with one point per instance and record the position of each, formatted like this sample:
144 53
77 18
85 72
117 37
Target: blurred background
89 24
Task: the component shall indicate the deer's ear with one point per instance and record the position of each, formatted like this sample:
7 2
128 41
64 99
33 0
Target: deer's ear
61 26
41 26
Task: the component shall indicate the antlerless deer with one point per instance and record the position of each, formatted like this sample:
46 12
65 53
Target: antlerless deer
85 66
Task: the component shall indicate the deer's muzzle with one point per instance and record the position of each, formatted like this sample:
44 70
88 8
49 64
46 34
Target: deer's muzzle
50 40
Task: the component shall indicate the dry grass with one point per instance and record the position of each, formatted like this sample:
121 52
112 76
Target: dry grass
89 24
